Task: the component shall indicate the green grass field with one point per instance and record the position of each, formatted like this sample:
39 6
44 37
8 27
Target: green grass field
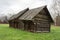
7 33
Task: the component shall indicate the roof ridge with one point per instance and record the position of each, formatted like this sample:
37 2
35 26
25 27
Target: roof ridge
23 12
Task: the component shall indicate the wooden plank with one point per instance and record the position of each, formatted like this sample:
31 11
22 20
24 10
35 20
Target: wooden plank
41 19
41 16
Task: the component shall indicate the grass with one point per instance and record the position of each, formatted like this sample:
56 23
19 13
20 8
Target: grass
7 33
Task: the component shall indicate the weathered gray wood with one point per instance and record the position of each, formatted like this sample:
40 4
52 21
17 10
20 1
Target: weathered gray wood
34 20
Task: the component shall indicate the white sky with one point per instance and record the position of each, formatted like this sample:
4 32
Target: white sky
14 6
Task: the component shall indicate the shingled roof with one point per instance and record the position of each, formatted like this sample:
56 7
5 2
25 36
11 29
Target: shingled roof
19 14
27 14
33 12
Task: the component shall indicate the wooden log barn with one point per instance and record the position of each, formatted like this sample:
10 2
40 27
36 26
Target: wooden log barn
33 20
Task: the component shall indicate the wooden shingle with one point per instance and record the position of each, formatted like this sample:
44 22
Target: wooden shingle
19 14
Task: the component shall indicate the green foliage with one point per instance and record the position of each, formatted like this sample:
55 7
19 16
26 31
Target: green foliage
7 33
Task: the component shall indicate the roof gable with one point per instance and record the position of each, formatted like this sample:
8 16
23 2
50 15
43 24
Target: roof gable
27 14
48 13
31 13
19 14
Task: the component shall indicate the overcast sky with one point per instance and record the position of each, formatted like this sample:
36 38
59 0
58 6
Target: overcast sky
10 6
14 6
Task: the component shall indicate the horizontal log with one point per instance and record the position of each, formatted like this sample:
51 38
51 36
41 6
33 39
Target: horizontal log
41 16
